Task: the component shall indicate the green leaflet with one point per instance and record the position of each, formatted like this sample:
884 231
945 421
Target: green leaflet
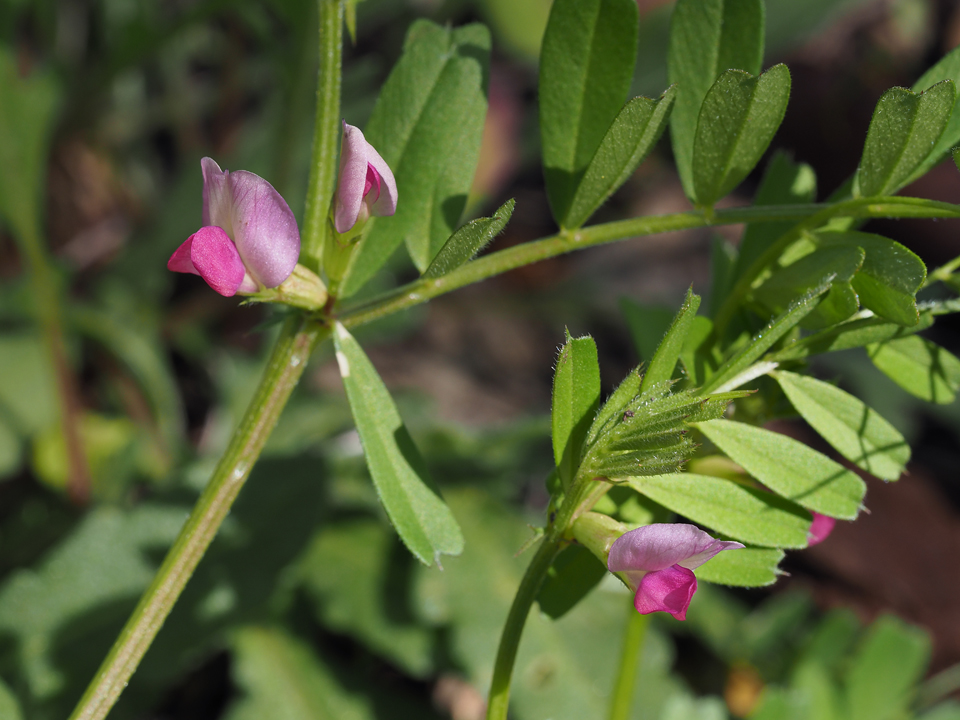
706 38
629 140
948 68
665 359
648 324
411 499
836 265
784 183
734 372
738 119
919 366
426 125
282 677
890 277
746 567
576 397
850 334
469 240
789 468
890 661
746 514
586 65
902 135
856 431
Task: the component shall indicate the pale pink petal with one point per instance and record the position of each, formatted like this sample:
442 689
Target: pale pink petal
217 199
821 527
385 201
668 590
216 260
661 545
351 183
264 228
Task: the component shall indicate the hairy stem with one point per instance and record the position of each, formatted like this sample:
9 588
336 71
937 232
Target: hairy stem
622 699
496 263
287 362
326 135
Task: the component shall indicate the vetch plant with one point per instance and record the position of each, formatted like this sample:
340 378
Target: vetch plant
671 480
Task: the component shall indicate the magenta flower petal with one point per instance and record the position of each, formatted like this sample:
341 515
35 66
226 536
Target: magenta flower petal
659 546
821 527
215 259
365 179
668 590
180 260
264 228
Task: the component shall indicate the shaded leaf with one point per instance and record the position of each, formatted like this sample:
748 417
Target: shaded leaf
902 135
574 573
919 366
411 499
469 240
738 119
826 265
706 38
856 431
743 513
576 397
631 137
586 65
426 125
948 68
283 679
850 334
789 468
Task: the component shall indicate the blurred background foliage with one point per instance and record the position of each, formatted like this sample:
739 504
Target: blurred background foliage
120 383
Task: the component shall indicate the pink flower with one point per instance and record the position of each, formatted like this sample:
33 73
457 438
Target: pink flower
366 185
658 561
821 527
249 236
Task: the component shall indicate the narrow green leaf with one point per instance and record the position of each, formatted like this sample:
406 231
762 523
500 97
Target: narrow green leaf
665 359
903 133
648 324
777 703
695 363
747 567
948 68
427 126
629 140
825 265
789 467
822 696
576 397
411 499
730 372
919 366
784 183
283 678
626 391
850 334
738 119
747 514
856 431
586 65
890 277
574 573
27 106
469 240
706 38
886 669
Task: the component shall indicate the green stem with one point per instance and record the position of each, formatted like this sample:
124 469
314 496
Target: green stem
326 135
622 700
287 362
499 700
517 256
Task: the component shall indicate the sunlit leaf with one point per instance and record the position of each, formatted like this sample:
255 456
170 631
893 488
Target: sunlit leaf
576 397
470 239
919 366
747 567
664 361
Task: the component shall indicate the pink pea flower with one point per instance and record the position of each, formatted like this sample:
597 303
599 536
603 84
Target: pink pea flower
821 527
249 236
366 185
658 561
